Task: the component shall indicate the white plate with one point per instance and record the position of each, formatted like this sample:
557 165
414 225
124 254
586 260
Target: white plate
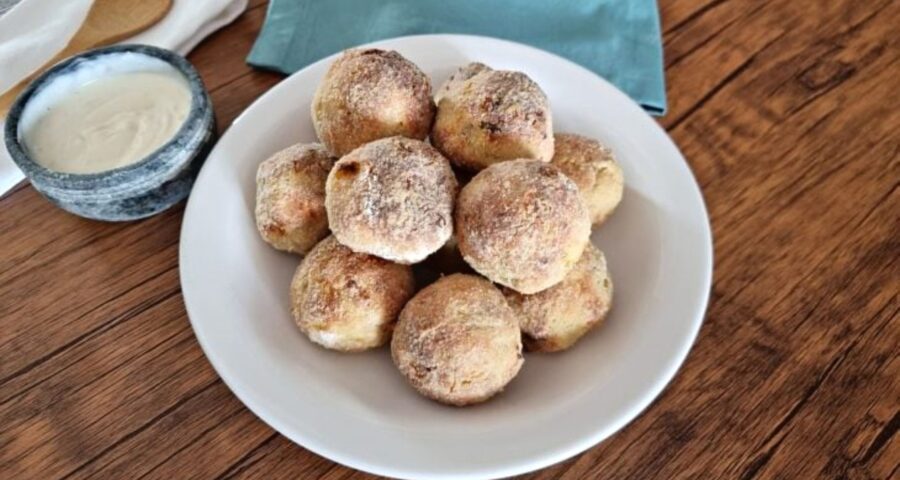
355 408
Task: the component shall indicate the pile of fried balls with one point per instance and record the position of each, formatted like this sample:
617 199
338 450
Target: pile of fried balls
500 206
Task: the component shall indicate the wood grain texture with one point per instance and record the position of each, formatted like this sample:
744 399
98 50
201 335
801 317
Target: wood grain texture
788 113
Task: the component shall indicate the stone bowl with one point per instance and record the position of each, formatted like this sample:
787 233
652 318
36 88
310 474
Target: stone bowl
141 189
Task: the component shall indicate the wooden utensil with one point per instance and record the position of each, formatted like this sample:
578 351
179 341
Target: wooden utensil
107 22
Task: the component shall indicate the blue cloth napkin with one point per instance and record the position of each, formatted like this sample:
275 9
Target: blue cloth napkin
618 39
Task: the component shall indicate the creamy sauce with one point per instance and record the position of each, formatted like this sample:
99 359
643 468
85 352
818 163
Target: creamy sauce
109 122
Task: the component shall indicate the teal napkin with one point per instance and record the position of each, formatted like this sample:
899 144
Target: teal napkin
618 39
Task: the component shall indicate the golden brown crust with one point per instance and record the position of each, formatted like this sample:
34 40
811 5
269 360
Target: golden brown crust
290 197
554 319
369 94
458 78
487 116
522 224
594 169
457 341
392 198
348 301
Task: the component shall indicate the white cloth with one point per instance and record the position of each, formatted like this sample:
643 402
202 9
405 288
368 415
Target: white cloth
35 30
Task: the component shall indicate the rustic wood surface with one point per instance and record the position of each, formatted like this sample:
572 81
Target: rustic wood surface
788 113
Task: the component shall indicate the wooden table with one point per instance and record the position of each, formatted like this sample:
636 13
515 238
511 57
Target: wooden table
788 113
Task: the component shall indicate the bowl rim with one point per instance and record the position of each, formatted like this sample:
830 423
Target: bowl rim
145 168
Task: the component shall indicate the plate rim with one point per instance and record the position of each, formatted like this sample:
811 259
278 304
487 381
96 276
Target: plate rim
553 455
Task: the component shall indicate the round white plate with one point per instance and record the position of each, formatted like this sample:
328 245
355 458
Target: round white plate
356 409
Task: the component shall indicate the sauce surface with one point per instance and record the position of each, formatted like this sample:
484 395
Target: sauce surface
109 122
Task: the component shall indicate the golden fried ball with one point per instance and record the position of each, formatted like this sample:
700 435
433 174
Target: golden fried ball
370 94
290 197
458 78
556 318
594 169
392 198
522 224
348 301
487 116
457 341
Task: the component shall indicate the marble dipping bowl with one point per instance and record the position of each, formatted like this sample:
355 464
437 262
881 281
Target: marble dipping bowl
144 188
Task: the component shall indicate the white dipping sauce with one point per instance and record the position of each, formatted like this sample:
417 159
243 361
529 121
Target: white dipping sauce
107 122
